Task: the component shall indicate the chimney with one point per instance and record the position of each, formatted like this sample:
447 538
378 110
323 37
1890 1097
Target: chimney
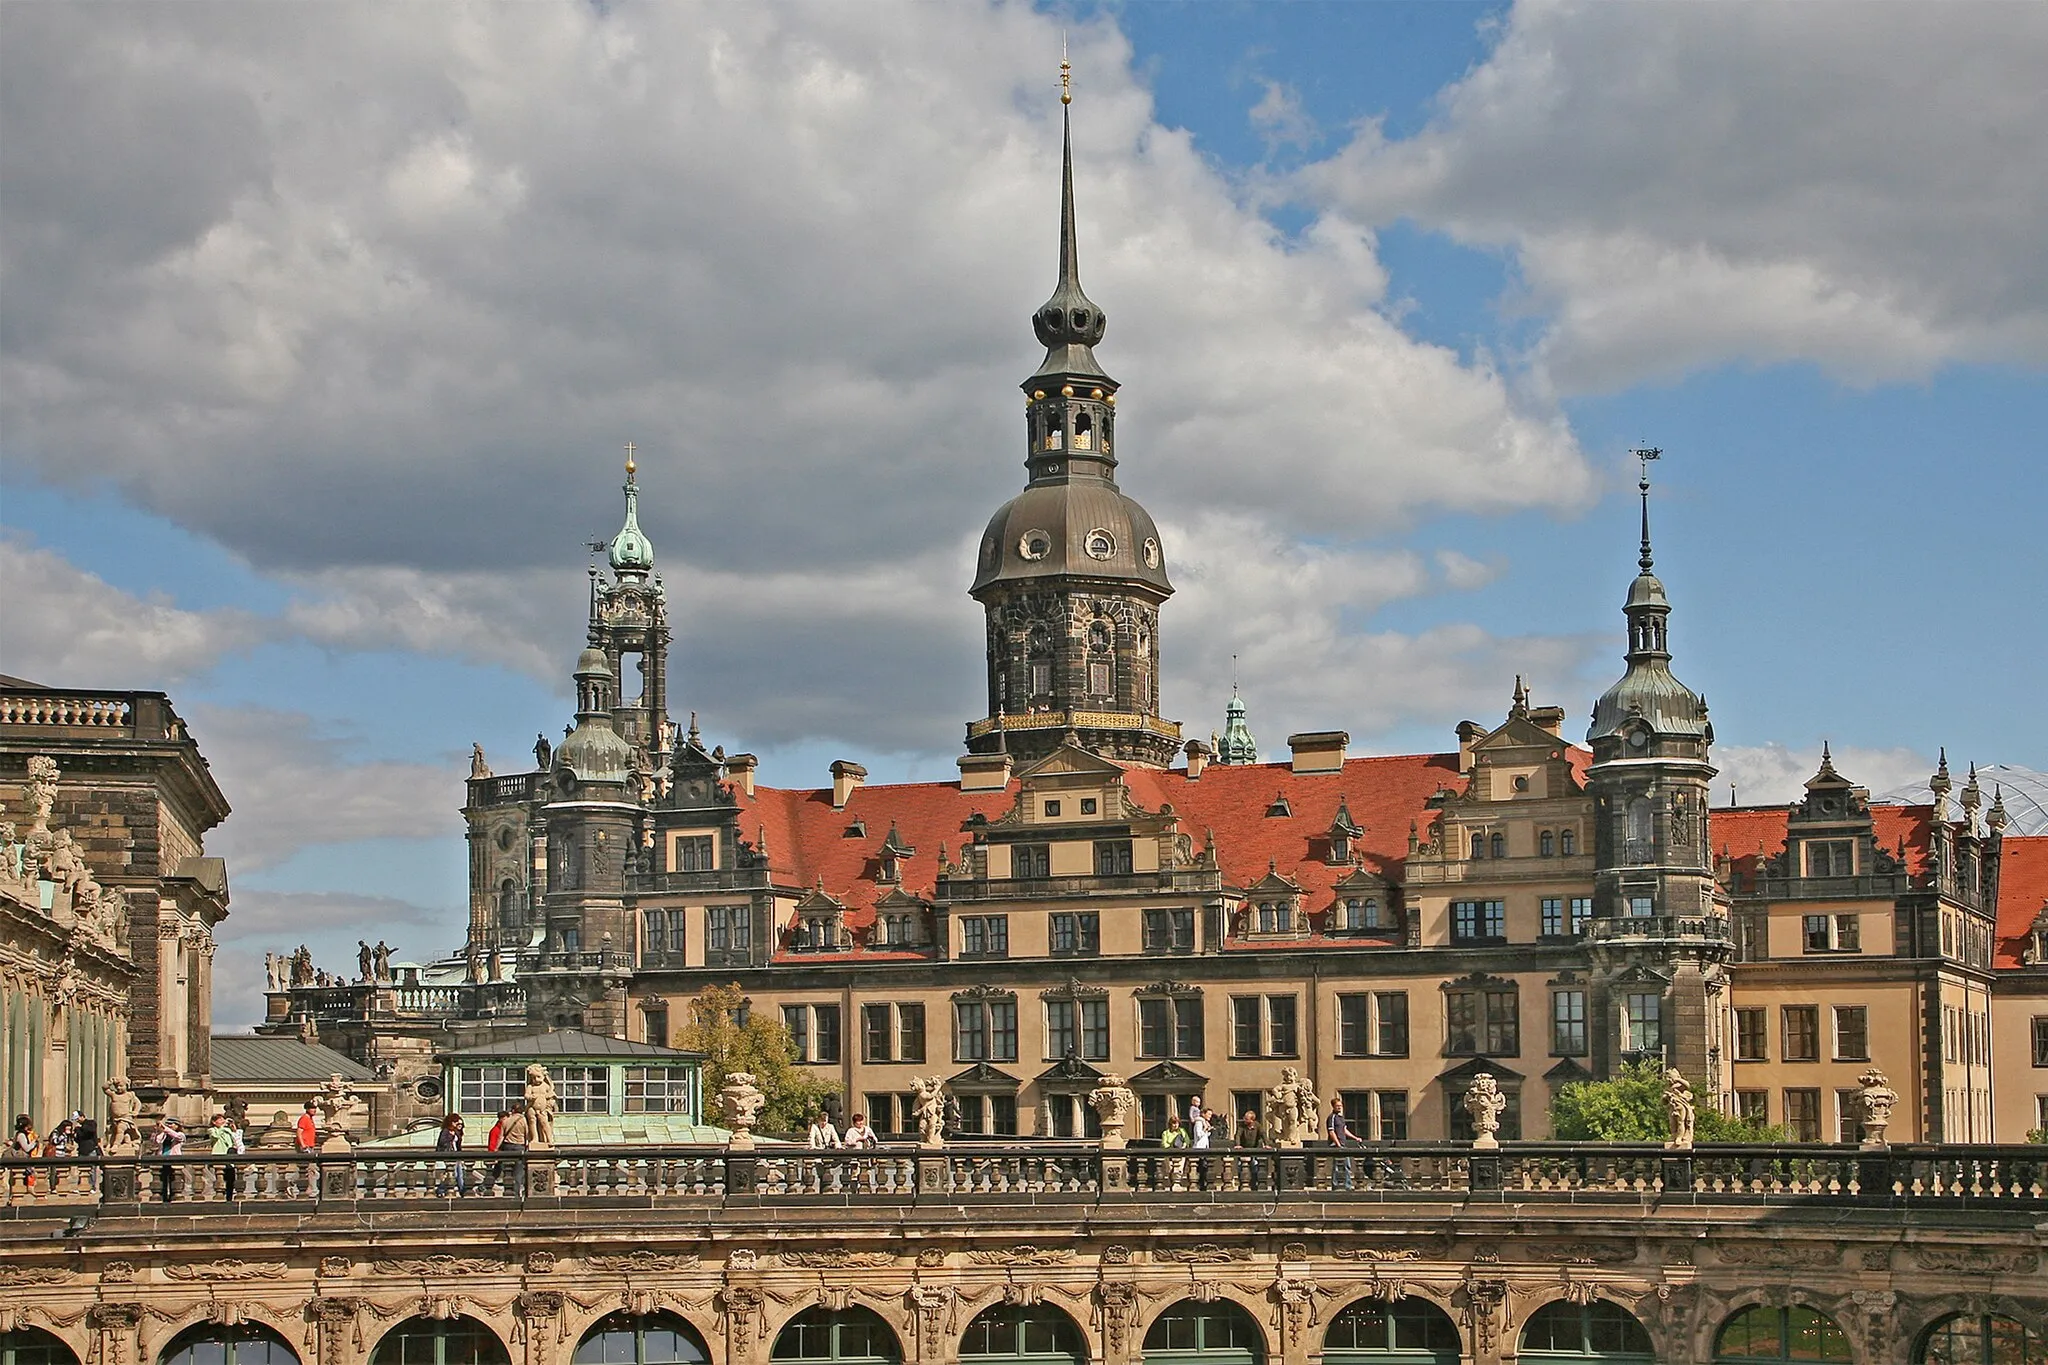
739 769
984 772
1470 732
1198 753
1318 751
1549 719
846 780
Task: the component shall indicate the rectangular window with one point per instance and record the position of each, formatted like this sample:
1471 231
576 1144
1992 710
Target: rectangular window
2041 1040
1187 1026
1752 1036
1002 1116
1354 1025
1362 913
1098 673
656 936
1282 1033
1246 1035
580 1089
985 936
1393 1114
1276 917
1077 934
880 1107
877 1034
825 1033
1477 920
1062 1028
797 1020
1802 1114
1848 933
970 1032
1113 857
1155 1028
1095 1030
654 1026
1753 1106
910 1032
1152 1112
1553 915
1482 1023
1169 931
657 1090
1568 1023
1390 1021
1848 1116
1802 1033
1645 1022
1852 1033
726 929
693 853
1642 907
1582 911
1031 860
1830 857
1818 932
1002 1031
487 1089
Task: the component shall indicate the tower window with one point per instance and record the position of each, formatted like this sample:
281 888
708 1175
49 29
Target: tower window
1100 544
1084 432
1041 678
1098 677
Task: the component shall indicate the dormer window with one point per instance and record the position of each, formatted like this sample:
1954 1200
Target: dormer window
1830 857
1364 914
1279 807
1276 917
1340 847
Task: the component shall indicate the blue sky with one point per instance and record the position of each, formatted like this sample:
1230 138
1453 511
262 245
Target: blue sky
310 407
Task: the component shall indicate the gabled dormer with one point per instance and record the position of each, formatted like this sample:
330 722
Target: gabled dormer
819 923
890 858
1273 907
1366 907
1343 829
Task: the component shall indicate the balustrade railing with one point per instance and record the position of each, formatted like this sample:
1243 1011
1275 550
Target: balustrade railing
1031 888
1053 1172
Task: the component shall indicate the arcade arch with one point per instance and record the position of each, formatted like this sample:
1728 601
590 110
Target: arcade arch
847 1336
1194 1333
641 1339
1762 1335
1567 1333
1006 1335
1980 1339
245 1343
1408 1331
440 1341
34 1346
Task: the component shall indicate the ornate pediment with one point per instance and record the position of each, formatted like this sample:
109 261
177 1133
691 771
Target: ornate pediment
984 992
1475 1067
981 1078
1070 1072
1274 883
1477 981
819 901
1073 988
1070 760
1358 880
1171 1077
899 899
1636 974
1169 987
1567 1070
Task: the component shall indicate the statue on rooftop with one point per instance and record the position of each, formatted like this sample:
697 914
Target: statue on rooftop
1678 1100
540 1107
928 1099
1112 1101
1877 1098
477 766
1484 1103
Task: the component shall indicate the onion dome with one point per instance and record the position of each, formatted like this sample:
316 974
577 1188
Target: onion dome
594 751
1648 689
631 551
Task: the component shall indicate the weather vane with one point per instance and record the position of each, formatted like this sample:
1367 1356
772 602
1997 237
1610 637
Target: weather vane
1066 73
1645 454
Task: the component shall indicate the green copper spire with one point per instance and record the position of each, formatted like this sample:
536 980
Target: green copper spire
632 552
1237 745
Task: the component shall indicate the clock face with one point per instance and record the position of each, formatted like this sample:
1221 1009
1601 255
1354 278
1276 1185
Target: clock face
1638 740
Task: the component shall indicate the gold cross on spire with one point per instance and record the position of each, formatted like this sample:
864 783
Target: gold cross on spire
1066 74
630 466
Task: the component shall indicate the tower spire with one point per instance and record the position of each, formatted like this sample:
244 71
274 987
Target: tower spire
1645 454
631 551
1068 324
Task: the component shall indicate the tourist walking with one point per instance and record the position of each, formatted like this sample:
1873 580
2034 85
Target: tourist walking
1339 1132
448 1142
512 1133
169 1139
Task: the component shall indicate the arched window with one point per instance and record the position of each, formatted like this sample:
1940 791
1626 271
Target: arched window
1215 1333
1980 1339
845 1334
437 1341
1565 1333
636 1339
1023 1336
246 1343
34 1346
1404 1332
1765 1336
1567 842
1084 431
1479 845
1641 847
1546 844
508 901
1497 846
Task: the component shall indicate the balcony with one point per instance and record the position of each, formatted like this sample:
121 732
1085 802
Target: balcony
599 961
129 715
1423 872
1050 888
717 879
1691 929
1888 886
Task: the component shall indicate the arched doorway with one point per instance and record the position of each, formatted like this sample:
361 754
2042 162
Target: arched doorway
1023 1336
850 1336
34 1346
1407 1331
441 1341
1215 1333
1565 1333
1980 1339
641 1339
1766 1336
246 1343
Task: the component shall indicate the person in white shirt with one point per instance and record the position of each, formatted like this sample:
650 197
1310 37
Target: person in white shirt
857 1137
823 1135
1202 1127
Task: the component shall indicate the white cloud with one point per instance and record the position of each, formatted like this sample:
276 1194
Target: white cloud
68 627
1767 774
330 923
1857 185
293 787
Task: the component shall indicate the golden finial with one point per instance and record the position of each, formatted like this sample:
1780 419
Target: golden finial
630 466
1066 74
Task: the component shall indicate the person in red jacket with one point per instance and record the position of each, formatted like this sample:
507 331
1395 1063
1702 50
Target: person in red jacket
309 1129
497 1133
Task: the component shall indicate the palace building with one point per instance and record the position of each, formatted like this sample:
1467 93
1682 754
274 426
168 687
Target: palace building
1095 895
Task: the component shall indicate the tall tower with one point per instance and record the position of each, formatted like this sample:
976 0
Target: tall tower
629 623
1660 921
1071 573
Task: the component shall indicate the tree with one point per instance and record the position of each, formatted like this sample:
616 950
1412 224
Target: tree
733 1038
1630 1108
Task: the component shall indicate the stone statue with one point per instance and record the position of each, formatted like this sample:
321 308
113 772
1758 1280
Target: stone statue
543 752
474 960
334 1100
1291 1109
380 960
1112 1102
366 960
1678 1100
477 766
497 964
302 966
540 1107
928 1094
1484 1103
270 973
742 1101
122 1102
1877 1097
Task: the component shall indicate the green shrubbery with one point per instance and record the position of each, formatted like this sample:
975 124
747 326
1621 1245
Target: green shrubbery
1630 1108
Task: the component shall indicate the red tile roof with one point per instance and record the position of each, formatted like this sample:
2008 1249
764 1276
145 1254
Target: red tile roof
1747 833
2022 892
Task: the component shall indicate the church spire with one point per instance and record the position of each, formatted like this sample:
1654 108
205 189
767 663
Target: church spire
631 551
1068 324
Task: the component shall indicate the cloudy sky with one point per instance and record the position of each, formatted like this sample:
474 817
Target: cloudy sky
322 326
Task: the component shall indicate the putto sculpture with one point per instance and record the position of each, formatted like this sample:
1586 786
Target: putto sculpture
1484 1103
1291 1110
929 1100
1678 1100
540 1107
